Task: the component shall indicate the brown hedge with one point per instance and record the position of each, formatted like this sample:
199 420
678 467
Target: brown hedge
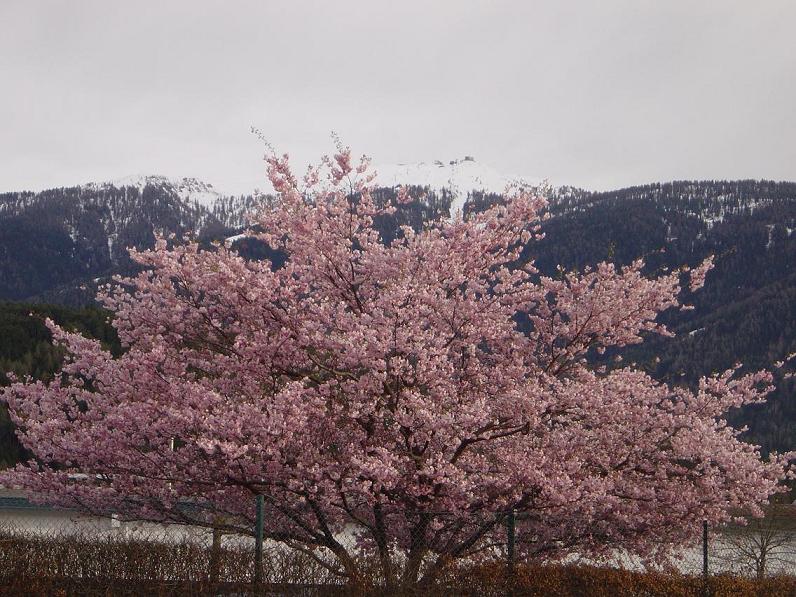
90 566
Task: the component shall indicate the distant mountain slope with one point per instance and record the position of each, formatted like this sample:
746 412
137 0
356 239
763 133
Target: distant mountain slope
747 310
62 238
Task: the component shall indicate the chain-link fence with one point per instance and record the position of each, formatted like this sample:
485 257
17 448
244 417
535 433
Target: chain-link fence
38 542
762 547
89 550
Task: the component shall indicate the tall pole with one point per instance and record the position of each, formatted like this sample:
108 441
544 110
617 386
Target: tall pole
258 541
510 540
705 548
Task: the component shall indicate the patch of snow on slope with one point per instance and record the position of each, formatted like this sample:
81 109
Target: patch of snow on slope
458 176
236 237
770 228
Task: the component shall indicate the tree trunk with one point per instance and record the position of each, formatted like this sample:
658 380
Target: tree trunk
385 558
417 550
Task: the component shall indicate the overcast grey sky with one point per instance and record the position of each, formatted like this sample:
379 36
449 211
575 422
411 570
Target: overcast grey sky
600 94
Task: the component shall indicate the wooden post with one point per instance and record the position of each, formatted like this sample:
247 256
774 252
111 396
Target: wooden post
705 549
215 552
510 540
258 541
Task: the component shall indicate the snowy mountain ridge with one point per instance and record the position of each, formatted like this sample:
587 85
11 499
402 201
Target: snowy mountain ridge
190 190
460 177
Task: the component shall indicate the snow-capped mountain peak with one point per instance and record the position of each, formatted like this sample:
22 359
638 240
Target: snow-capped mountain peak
190 190
459 176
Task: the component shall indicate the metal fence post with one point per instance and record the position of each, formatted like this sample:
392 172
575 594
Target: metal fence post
258 541
510 540
705 548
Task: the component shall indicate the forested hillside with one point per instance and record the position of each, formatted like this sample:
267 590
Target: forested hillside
54 242
747 310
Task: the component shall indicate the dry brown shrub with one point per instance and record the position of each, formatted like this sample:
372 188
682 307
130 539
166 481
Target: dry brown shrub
532 580
92 565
